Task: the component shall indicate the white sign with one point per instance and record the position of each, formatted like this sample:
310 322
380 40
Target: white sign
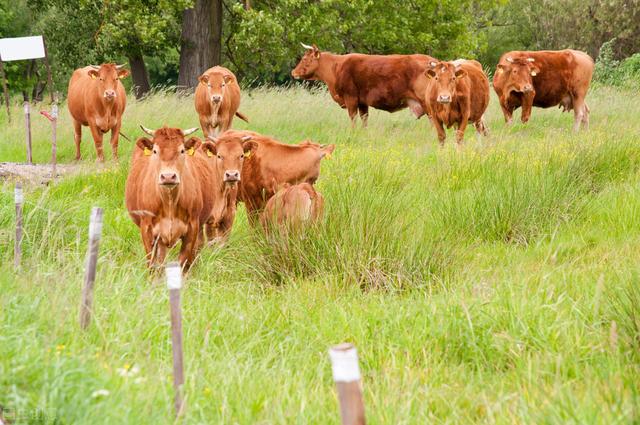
15 49
18 196
174 275
344 363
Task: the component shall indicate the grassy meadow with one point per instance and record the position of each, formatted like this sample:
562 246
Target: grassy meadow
495 285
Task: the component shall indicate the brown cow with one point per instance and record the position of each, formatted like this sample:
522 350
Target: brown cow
273 164
458 93
358 81
217 100
164 194
544 79
96 98
292 207
225 156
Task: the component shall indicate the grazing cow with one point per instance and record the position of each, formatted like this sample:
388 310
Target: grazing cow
225 156
458 93
96 98
217 100
358 81
292 207
272 164
544 79
164 194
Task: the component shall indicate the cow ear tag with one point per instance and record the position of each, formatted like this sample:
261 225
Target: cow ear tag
191 151
147 152
247 154
533 73
209 154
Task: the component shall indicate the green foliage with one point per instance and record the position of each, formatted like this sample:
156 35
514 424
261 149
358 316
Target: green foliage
611 71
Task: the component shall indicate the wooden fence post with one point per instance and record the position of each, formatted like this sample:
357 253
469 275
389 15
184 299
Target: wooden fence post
19 200
95 232
27 120
174 283
346 375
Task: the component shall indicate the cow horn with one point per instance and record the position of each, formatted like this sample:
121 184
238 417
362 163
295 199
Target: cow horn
96 67
306 46
531 60
433 64
509 59
119 67
148 130
213 139
245 138
189 131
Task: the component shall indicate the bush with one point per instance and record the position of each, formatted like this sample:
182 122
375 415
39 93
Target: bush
613 72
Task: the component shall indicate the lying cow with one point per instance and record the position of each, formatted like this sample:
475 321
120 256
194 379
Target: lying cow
358 81
96 98
458 93
273 164
164 194
293 207
225 156
217 100
544 79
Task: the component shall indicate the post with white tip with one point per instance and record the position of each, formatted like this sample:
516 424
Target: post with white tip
27 120
19 200
95 232
174 283
54 147
346 375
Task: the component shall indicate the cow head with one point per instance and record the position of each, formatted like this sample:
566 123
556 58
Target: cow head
517 74
107 76
167 152
445 76
307 66
228 153
216 83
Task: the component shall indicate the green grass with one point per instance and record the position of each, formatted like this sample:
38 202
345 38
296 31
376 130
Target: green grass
498 284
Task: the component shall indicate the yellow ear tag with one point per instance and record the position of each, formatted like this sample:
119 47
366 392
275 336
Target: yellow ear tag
247 154
93 76
147 152
328 155
209 154
191 151
499 71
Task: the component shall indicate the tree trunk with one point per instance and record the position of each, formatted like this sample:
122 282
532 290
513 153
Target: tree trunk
201 41
139 75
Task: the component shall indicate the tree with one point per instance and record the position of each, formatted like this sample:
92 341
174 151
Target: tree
201 42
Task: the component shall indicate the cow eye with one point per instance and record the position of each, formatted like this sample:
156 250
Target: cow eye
219 156
155 151
208 85
182 150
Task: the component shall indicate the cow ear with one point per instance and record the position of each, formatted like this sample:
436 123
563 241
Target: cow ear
460 73
249 146
327 150
93 73
226 79
123 73
145 144
316 51
430 73
192 142
204 79
209 148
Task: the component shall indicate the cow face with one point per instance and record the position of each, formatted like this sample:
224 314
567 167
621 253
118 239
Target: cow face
167 152
228 154
106 77
216 84
445 76
308 65
518 73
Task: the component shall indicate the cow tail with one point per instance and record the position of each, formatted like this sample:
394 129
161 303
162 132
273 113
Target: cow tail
242 116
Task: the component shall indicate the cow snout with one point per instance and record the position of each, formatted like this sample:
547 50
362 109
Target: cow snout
109 94
169 178
295 75
216 98
528 88
444 98
232 176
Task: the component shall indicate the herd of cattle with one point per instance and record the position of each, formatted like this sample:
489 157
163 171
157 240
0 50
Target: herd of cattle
183 188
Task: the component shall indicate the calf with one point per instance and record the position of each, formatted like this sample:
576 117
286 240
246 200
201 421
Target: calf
217 100
358 81
544 79
225 157
293 207
96 98
164 193
458 93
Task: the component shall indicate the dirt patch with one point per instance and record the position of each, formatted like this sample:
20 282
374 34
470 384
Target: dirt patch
35 173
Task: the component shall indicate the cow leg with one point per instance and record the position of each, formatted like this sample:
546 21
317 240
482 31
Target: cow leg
442 135
352 109
580 113
158 254
527 105
363 110
97 139
585 116
507 112
77 136
115 138
188 248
